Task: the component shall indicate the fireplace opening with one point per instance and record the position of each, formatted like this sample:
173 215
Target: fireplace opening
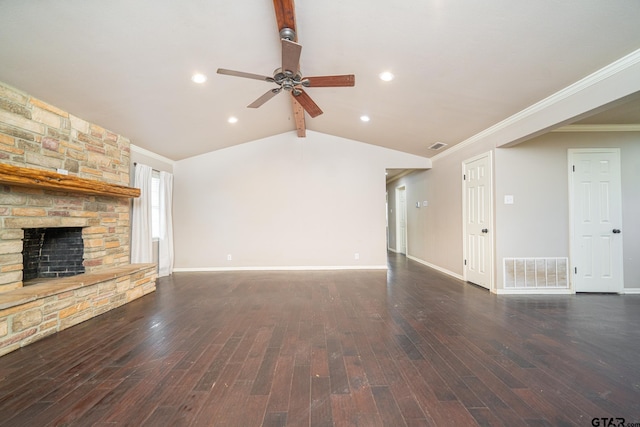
52 252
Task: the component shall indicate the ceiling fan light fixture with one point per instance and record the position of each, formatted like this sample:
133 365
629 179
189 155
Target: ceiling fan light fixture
386 76
232 120
199 78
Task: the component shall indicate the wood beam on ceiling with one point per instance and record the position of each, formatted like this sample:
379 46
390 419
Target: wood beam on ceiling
285 14
286 18
298 115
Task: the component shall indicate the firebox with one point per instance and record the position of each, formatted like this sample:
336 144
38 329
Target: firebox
52 252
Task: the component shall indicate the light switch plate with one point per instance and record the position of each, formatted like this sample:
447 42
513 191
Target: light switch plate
508 199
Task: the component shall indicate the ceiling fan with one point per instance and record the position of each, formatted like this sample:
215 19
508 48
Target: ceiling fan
288 77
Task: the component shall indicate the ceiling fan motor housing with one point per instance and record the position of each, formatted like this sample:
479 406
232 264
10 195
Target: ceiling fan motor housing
286 79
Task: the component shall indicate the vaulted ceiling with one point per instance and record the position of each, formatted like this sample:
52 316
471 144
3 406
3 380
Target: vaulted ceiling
460 66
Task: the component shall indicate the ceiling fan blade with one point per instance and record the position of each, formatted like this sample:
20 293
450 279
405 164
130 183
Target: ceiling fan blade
245 75
290 56
285 14
332 81
307 103
298 115
264 98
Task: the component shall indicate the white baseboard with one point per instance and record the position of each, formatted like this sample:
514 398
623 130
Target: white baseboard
435 267
392 250
534 291
542 291
284 268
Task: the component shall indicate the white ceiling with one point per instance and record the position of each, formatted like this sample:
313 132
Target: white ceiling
460 66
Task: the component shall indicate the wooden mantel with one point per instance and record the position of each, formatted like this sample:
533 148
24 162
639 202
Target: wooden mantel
36 178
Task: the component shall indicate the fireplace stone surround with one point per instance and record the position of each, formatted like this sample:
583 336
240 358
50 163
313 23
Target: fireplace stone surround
36 136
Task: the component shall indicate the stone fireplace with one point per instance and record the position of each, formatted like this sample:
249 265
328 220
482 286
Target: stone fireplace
36 136
75 174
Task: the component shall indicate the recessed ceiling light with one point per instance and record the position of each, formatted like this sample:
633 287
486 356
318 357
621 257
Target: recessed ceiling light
199 78
232 120
365 118
386 76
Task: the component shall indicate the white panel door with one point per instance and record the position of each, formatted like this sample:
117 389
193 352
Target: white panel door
401 220
478 221
596 216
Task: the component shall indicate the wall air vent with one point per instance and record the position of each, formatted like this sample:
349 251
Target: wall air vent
437 146
538 273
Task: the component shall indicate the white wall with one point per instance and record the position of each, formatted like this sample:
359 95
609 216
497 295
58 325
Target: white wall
284 202
536 174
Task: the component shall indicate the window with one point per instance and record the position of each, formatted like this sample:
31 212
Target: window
155 205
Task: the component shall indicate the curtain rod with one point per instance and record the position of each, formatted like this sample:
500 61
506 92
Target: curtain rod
136 164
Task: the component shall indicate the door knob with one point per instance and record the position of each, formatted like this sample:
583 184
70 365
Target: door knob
616 231
485 230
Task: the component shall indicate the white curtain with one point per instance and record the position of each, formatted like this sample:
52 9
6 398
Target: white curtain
141 237
165 248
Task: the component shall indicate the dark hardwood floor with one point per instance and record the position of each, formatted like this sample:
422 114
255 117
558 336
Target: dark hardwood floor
407 347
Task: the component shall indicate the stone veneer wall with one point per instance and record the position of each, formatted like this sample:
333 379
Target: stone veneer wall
38 135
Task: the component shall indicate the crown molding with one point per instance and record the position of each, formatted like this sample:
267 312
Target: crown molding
151 154
599 128
588 82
